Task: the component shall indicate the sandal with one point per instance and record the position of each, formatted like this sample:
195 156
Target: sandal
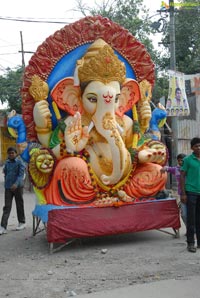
191 248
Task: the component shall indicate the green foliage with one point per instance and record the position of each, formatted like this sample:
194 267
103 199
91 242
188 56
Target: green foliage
161 88
187 38
10 85
132 15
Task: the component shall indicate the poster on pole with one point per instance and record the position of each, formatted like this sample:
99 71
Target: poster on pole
177 103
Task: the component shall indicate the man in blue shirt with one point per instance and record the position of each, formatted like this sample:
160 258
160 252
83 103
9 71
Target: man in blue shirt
14 173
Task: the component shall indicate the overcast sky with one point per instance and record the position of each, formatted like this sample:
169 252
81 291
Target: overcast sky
35 33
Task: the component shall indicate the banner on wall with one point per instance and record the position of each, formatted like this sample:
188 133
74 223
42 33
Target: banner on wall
177 103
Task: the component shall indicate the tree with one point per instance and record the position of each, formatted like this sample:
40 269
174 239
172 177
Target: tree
132 15
187 37
10 85
161 88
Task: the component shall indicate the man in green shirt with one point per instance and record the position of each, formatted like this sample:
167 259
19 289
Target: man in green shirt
190 193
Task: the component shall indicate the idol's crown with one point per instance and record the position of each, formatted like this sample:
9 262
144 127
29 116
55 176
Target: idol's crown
101 64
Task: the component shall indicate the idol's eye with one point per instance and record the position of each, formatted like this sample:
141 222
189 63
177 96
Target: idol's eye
117 98
40 159
92 97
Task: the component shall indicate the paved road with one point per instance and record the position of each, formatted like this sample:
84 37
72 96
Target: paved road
187 288
27 269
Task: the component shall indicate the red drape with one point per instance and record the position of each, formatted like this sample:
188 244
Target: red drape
65 224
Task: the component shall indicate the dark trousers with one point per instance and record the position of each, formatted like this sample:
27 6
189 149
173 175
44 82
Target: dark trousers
193 217
9 195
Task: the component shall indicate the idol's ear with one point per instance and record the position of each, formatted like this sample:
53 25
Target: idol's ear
130 94
67 96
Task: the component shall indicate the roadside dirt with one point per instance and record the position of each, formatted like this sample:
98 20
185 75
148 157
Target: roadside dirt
28 270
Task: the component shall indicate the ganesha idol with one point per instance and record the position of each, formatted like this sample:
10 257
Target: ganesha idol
98 154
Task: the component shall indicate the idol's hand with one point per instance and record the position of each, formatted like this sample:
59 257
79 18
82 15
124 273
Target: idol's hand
76 136
42 115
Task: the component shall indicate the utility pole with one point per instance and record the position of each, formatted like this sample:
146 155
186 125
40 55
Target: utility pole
22 50
174 119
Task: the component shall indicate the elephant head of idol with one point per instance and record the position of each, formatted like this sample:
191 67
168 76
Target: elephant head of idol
101 76
100 92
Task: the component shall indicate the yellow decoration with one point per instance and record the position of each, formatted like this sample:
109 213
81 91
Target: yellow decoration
41 167
101 64
56 110
12 132
40 196
42 130
145 90
135 134
162 122
39 89
114 187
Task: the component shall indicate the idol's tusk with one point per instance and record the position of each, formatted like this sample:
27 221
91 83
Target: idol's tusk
90 126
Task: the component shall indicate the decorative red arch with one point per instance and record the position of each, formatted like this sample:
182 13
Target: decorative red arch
72 36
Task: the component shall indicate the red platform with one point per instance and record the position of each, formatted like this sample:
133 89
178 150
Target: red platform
66 224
